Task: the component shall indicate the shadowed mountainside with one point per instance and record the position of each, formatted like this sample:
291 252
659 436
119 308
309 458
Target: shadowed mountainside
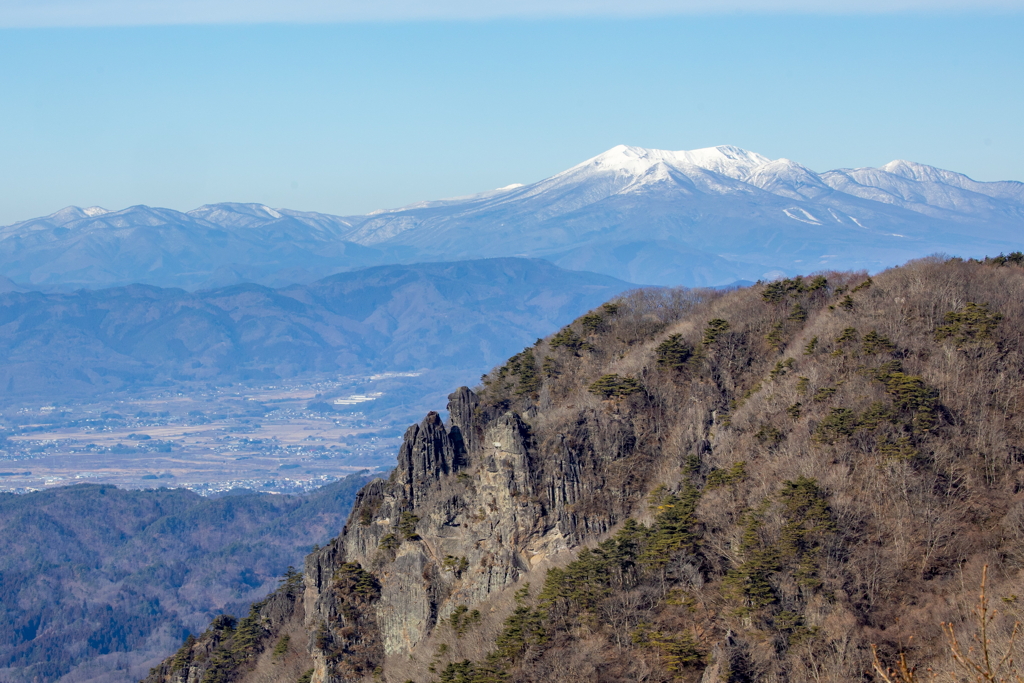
465 315
98 583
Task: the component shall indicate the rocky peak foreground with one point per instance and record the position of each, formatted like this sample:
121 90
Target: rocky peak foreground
685 485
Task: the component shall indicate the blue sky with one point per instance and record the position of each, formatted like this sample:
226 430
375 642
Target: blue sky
349 117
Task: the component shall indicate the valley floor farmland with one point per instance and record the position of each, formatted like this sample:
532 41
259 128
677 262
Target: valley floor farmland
279 437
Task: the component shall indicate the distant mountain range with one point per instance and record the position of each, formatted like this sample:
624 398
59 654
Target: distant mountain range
462 315
714 215
703 217
210 247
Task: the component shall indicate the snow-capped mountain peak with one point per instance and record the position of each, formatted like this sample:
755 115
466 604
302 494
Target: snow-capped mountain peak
921 172
73 213
633 161
734 162
727 160
787 178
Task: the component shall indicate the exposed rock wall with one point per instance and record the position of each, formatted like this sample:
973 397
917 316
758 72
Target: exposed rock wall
470 507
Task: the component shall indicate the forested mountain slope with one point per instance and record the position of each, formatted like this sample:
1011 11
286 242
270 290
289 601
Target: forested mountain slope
98 583
686 485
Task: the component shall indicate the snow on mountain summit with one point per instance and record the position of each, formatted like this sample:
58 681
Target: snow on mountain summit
923 173
787 178
74 213
726 160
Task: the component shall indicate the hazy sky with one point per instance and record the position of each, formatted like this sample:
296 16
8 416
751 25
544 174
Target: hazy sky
352 116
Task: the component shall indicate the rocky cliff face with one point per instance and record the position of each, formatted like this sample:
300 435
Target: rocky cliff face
469 509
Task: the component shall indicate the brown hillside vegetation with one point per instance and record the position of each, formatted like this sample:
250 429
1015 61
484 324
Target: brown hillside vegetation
756 485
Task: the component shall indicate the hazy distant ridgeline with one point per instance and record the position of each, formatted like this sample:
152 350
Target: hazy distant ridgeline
209 247
700 218
466 315
109 580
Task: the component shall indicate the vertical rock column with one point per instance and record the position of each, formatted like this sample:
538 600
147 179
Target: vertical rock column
427 453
